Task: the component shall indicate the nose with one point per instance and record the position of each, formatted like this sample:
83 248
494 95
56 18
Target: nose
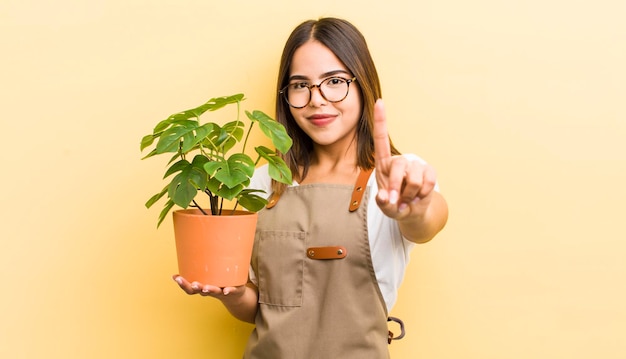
317 97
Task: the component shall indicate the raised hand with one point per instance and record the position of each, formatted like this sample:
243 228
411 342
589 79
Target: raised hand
405 186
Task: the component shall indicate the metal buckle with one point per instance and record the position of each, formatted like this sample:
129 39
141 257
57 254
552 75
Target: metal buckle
402 332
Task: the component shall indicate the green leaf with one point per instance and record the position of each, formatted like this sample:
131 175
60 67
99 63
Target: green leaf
232 172
199 134
219 189
213 104
211 140
279 171
171 139
168 206
277 168
152 153
146 141
174 157
213 166
176 167
250 201
161 126
232 133
218 102
199 161
272 129
156 197
181 191
185 185
264 151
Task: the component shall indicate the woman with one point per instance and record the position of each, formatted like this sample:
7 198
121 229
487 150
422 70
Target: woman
331 249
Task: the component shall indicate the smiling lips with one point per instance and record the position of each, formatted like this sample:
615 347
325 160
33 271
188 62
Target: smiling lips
321 120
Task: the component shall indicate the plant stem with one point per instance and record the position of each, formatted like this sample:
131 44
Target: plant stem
214 204
195 204
213 200
245 142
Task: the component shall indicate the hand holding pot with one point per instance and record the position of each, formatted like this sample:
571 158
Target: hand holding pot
208 290
241 301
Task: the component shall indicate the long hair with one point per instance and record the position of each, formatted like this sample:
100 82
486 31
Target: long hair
350 47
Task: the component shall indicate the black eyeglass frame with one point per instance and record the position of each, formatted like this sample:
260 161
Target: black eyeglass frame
283 91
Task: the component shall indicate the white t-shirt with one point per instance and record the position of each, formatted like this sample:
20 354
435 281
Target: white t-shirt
390 250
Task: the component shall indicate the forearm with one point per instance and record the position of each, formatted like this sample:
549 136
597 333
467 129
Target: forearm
422 228
243 307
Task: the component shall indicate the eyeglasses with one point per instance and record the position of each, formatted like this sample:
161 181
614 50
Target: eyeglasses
333 89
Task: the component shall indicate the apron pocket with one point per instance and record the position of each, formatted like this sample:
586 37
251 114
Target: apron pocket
280 273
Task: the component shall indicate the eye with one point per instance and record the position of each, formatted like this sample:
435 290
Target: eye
335 81
298 86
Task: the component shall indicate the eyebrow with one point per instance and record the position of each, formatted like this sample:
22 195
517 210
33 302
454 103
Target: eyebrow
323 76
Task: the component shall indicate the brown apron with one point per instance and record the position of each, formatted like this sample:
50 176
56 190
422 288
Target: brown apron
318 293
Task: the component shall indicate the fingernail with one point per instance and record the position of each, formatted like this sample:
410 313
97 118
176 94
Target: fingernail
382 196
402 207
205 290
393 197
179 280
194 286
226 291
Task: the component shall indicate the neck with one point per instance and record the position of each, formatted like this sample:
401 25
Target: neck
332 166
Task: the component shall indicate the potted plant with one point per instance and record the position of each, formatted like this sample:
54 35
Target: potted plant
214 244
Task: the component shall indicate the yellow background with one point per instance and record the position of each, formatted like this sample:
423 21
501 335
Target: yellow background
519 105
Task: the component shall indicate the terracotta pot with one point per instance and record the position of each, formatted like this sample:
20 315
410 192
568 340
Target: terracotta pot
214 250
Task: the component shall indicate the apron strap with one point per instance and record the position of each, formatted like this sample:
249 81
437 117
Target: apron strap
271 202
359 189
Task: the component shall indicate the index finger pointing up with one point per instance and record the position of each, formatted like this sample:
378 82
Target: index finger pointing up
382 148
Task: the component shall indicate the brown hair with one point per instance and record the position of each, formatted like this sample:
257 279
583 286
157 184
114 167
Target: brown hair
349 45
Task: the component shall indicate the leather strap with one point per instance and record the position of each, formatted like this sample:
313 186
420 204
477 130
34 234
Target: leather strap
331 252
271 202
359 189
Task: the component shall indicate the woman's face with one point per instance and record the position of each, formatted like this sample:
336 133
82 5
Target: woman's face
327 123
